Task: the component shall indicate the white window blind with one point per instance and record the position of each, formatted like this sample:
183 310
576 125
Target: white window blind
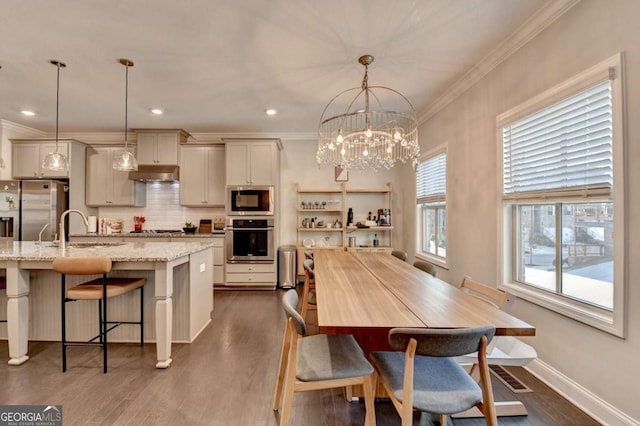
431 179
564 150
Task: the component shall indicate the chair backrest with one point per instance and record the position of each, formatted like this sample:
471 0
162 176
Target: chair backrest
429 268
402 255
489 294
441 342
289 303
308 266
82 265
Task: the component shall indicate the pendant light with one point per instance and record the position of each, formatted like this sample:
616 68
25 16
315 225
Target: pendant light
124 160
56 161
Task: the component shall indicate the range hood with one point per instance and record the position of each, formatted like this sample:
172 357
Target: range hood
150 173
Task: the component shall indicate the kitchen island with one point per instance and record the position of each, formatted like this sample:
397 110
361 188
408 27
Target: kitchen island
179 272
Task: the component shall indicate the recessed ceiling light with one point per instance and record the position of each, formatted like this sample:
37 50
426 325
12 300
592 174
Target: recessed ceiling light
270 111
157 111
28 113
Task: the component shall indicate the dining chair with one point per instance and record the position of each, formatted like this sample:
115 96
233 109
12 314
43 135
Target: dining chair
100 289
503 350
422 372
427 267
402 255
309 289
3 286
320 361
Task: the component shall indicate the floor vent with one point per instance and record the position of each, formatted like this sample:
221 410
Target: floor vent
509 380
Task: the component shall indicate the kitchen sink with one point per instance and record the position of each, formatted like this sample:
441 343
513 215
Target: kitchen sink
95 243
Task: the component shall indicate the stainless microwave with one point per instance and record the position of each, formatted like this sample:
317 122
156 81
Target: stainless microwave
250 200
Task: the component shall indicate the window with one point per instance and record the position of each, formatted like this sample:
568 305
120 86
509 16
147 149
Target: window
562 169
431 185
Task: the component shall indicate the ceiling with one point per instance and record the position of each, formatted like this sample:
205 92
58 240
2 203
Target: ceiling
214 66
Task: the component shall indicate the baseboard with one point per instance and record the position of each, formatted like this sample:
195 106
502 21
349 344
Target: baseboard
584 399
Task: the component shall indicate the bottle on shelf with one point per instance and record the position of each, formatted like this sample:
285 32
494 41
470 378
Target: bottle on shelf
350 217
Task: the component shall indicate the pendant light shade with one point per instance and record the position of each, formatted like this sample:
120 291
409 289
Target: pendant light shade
56 161
124 160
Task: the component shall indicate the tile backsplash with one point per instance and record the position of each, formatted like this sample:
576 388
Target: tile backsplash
163 209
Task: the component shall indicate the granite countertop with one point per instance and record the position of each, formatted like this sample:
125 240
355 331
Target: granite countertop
118 252
152 235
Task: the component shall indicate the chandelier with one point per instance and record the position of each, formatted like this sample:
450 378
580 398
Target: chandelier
356 132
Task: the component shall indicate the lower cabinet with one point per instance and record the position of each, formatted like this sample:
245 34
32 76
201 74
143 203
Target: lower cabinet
251 274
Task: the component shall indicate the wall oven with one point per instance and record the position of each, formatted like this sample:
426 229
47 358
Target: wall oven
250 200
249 240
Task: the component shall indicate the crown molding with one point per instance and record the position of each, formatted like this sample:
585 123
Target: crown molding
10 125
202 138
545 16
218 137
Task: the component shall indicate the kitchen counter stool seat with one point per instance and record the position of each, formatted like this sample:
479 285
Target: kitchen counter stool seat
100 289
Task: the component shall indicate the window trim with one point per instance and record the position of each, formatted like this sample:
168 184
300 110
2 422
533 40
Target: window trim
419 254
610 322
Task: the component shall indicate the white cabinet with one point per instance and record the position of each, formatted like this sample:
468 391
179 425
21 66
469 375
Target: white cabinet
251 274
202 176
26 159
218 260
252 162
159 147
109 187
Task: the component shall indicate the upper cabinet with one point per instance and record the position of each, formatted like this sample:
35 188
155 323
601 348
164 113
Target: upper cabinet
252 162
202 176
108 187
159 147
27 156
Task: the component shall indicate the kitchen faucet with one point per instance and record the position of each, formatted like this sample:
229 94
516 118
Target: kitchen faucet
62 216
40 234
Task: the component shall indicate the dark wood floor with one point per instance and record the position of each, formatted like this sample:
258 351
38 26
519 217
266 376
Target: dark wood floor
225 378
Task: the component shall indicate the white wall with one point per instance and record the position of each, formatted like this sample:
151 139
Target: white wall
594 30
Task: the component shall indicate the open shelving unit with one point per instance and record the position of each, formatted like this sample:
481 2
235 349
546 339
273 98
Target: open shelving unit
337 201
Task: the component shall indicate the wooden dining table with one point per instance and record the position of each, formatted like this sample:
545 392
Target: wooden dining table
367 294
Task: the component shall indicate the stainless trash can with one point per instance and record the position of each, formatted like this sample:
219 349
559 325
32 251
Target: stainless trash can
287 266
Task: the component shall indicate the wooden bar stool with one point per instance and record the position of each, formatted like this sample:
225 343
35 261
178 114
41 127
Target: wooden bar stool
99 289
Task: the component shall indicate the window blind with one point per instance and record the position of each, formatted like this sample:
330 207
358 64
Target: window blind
431 179
563 150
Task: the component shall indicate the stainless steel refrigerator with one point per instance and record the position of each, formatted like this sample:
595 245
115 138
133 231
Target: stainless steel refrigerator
32 204
41 202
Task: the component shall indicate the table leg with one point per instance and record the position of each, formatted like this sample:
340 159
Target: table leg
164 313
17 313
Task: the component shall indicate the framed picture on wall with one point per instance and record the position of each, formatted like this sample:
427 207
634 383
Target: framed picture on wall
342 174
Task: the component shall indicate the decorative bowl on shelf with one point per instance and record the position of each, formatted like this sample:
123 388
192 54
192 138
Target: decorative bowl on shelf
190 229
